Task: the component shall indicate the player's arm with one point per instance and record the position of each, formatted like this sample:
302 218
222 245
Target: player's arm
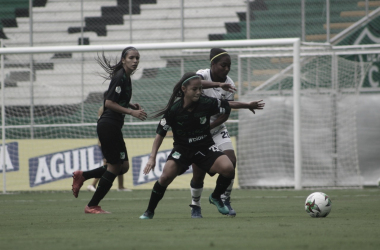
225 86
247 105
135 106
152 159
223 108
220 120
114 106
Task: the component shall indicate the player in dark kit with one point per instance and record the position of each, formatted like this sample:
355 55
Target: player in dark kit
189 119
116 106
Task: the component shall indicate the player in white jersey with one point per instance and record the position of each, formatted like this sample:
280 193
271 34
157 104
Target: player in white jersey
216 83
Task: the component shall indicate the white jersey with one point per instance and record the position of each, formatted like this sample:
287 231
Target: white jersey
216 93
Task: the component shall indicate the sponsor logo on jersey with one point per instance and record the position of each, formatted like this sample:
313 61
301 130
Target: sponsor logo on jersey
203 120
198 138
60 165
118 89
139 163
11 157
163 122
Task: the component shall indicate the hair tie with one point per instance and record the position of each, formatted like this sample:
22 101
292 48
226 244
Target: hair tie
191 77
218 55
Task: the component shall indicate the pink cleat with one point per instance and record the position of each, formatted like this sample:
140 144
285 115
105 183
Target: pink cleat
95 210
78 180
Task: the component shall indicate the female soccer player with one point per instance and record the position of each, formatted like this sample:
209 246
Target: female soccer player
218 84
116 106
189 118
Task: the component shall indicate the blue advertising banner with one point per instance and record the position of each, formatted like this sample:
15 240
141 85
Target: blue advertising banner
11 157
138 165
60 165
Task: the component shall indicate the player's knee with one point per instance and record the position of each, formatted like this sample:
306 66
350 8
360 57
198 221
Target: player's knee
165 180
124 168
230 171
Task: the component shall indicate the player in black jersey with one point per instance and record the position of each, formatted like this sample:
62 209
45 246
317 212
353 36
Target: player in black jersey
189 119
116 106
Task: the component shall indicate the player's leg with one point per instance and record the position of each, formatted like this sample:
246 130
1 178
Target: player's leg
120 180
223 142
226 171
81 176
114 150
226 197
196 189
170 171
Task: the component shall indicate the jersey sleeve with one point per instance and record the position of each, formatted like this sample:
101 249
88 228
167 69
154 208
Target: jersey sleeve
164 125
220 107
114 89
202 73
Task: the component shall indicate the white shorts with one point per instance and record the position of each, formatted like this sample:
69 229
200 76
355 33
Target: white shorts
222 140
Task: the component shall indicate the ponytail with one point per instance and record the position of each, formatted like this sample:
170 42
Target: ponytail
177 93
105 63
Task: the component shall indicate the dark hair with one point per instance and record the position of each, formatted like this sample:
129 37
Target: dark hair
177 93
110 69
216 51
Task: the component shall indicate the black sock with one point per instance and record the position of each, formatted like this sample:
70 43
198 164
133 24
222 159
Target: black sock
194 185
222 184
158 192
105 184
95 173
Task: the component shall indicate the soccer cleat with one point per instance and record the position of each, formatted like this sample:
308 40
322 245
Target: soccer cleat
91 188
78 180
227 203
196 212
147 215
124 189
95 210
219 205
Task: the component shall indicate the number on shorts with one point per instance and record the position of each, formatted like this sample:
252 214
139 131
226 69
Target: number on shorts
214 148
225 134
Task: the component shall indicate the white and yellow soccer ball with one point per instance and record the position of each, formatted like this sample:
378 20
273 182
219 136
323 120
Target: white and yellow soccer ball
318 204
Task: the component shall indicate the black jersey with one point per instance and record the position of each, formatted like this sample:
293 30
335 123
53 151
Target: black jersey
119 91
192 128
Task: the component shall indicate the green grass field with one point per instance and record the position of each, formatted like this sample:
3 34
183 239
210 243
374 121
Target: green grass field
266 219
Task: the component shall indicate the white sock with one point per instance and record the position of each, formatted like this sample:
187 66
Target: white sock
196 194
228 191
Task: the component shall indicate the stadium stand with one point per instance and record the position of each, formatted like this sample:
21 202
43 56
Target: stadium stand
274 18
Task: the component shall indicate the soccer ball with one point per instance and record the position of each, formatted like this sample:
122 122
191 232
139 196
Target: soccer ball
318 205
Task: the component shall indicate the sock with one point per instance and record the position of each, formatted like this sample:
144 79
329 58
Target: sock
196 193
228 191
95 173
221 186
158 192
105 184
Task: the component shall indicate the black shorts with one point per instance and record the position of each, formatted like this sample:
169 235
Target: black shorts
203 158
112 143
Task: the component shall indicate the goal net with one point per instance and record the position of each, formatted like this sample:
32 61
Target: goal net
330 80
